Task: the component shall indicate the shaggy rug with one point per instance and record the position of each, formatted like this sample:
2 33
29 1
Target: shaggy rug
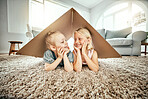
24 77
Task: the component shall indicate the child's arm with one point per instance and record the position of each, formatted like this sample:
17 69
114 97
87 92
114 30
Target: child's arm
77 60
92 63
53 65
67 65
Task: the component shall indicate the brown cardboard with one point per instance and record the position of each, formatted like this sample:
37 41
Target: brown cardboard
67 24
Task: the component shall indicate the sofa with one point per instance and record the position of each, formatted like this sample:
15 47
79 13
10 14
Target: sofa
124 41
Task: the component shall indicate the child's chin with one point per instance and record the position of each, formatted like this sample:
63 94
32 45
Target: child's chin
66 49
79 47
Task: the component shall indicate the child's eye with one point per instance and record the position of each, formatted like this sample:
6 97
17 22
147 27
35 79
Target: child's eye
80 38
62 42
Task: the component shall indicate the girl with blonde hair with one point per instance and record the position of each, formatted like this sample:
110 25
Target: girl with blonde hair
84 53
58 52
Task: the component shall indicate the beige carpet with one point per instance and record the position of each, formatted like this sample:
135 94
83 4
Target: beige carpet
24 77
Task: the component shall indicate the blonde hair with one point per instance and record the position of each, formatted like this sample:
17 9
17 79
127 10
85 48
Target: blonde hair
50 38
84 31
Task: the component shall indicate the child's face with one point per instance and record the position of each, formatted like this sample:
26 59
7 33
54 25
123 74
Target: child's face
79 40
60 42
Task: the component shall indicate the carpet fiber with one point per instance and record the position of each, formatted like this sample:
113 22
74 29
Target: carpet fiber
24 77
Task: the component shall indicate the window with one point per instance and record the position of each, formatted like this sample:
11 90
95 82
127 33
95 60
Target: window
138 18
116 8
44 12
36 17
121 20
108 21
122 16
52 12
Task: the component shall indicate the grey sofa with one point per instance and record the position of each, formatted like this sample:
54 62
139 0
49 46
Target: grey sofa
124 41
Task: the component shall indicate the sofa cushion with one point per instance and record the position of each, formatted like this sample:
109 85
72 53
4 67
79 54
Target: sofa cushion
120 41
118 33
35 32
101 32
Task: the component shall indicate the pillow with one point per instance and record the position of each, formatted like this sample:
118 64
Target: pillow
35 32
118 33
29 28
101 32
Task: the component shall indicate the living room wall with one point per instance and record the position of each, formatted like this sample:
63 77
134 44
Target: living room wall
6 35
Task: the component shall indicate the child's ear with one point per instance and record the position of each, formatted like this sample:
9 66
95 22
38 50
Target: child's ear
52 47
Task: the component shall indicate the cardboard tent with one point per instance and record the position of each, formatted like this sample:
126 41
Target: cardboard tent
67 24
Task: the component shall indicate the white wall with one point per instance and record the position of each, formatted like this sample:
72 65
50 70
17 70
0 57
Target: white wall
6 36
20 10
17 15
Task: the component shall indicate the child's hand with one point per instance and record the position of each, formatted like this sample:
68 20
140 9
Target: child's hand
60 52
66 51
84 48
76 49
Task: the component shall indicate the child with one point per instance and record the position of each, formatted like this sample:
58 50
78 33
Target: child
83 51
58 52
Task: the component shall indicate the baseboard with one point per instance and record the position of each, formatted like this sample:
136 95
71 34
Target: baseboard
4 52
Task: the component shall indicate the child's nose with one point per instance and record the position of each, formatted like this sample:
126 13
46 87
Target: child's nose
66 43
76 41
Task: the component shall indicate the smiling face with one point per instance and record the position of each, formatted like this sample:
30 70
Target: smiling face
55 40
60 41
79 39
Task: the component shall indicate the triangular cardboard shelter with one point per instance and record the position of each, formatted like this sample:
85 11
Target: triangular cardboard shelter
67 24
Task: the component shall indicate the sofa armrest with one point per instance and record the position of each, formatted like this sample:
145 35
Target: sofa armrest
138 35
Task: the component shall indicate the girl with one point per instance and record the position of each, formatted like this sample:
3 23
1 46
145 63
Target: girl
58 53
84 53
